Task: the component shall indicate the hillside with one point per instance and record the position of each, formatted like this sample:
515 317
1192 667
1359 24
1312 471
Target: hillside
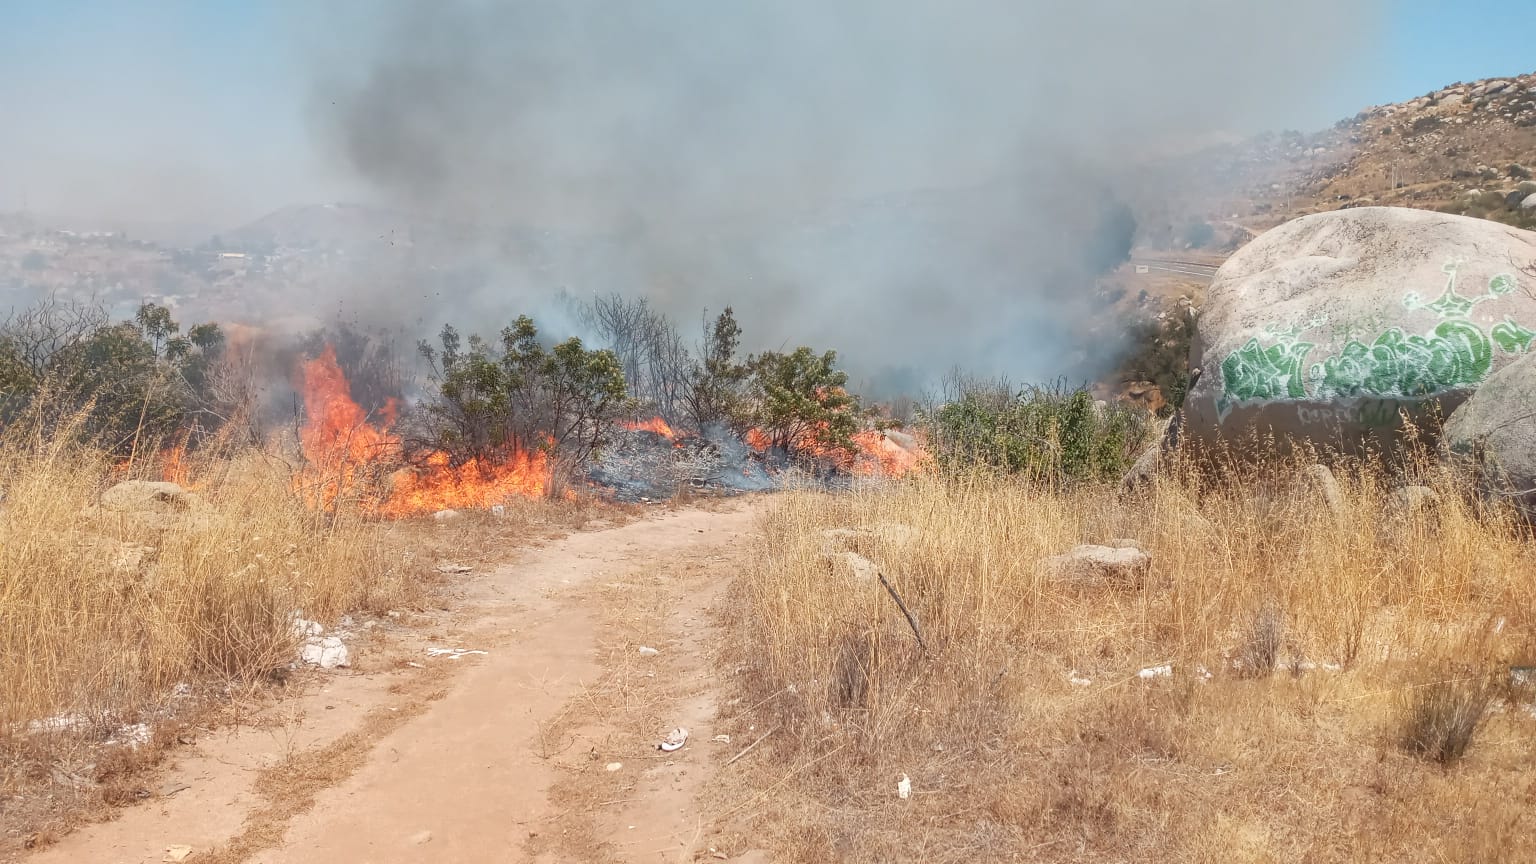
1433 152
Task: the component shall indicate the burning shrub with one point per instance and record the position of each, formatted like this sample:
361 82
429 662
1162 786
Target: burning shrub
132 382
494 403
800 404
369 360
1051 434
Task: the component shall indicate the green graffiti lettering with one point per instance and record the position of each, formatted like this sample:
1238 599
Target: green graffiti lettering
1395 365
1253 373
1511 337
1456 354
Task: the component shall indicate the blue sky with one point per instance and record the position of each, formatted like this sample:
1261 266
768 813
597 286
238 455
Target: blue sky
197 111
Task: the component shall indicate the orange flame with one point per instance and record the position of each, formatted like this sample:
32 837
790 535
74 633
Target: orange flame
875 453
344 446
655 424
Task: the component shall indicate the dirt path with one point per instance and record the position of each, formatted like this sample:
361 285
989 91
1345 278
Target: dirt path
541 749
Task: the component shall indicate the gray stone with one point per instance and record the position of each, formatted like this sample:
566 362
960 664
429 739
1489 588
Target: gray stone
1494 435
1165 438
1452 100
447 515
1328 328
1319 481
1099 565
1406 507
1529 202
144 496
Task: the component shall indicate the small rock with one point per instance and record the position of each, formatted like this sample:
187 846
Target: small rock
421 838
145 496
862 567
1320 482
1406 506
904 787
614 766
648 651
1099 565
447 515
177 852
1163 671
498 510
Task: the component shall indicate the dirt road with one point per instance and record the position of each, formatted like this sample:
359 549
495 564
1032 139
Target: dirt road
541 749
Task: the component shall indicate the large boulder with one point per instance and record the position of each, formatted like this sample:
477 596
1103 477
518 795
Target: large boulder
1494 432
1331 327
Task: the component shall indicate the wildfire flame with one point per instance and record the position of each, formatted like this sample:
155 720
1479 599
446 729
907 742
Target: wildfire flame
875 453
655 424
345 447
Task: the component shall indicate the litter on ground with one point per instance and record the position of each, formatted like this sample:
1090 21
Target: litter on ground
452 653
674 740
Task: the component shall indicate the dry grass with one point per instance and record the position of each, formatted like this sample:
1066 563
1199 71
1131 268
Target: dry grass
116 617
1328 697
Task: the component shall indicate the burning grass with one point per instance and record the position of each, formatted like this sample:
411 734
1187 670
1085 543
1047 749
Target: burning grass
1290 683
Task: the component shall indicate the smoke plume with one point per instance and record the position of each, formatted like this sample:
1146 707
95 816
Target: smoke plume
917 184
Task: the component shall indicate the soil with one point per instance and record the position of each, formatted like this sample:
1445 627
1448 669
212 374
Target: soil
541 749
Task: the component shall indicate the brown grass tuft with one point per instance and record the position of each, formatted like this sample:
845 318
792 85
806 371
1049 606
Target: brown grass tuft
1444 715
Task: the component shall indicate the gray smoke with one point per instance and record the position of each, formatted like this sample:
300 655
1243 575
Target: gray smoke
917 184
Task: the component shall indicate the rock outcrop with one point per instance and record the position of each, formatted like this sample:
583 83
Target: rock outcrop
1330 328
1494 433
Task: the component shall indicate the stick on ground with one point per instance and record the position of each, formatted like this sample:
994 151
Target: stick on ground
917 629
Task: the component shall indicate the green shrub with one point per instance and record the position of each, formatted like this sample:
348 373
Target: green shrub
117 385
1049 434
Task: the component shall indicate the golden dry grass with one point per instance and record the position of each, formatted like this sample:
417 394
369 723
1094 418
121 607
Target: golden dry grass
106 609
1319 660
113 617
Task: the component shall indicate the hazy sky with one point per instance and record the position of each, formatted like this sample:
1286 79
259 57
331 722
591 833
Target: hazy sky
203 110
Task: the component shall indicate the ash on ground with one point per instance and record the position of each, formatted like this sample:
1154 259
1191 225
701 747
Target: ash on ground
642 464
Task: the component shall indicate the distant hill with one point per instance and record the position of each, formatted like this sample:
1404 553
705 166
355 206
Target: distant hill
1434 152
334 226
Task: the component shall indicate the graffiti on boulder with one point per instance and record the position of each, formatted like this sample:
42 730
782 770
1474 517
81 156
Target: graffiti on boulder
1454 305
1455 353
